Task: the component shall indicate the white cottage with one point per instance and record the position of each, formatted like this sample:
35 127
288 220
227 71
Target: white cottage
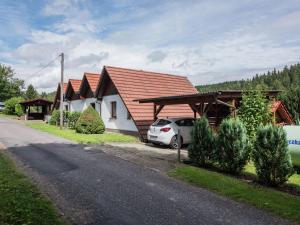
72 96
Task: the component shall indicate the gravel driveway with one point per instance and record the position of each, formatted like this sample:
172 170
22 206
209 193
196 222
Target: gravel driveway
90 186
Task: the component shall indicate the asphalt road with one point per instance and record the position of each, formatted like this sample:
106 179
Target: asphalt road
92 187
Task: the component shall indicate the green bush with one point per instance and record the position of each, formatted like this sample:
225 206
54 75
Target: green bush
54 120
19 110
90 122
233 146
55 117
73 118
271 157
10 105
201 150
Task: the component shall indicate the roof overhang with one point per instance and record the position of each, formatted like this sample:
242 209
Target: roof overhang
200 97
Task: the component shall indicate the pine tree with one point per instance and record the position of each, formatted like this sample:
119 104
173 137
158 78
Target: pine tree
202 148
271 157
31 93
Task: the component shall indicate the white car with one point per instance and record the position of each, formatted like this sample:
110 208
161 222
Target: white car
164 131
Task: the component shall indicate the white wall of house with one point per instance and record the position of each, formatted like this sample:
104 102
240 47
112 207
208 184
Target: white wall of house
76 105
119 123
88 101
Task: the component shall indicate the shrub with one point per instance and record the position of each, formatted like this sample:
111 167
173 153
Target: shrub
10 105
271 157
19 110
55 117
73 118
90 122
233 146
54 120
201 150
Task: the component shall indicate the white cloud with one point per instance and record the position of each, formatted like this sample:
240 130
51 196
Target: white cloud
208 43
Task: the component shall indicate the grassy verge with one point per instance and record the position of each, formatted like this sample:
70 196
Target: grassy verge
282 204
20 200
82 138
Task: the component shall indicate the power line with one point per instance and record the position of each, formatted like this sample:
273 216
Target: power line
44 67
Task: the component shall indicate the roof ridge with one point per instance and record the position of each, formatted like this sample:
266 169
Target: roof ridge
136 70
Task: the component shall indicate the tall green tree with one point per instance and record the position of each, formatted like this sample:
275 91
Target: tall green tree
9 85
31 93
255 110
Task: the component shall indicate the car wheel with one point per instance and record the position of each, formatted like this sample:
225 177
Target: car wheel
174 142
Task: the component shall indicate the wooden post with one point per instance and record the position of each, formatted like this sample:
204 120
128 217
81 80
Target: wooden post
179 145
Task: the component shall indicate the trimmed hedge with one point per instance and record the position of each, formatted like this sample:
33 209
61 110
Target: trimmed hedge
233 146
72 119
271 157
90 122
201 150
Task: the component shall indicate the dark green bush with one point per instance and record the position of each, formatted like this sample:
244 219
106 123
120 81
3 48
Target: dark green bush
72 119
201 150
10 105
271 157
233 146
90 122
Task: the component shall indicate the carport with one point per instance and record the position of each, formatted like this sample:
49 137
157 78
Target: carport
36 109
215 105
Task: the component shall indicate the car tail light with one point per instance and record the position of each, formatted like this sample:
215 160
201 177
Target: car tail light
165 129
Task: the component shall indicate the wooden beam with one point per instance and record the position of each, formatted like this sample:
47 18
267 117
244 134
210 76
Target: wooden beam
156 110
224 103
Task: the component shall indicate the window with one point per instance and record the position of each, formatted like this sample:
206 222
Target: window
161 122
128 115
66 107
93 105
185 122
113 110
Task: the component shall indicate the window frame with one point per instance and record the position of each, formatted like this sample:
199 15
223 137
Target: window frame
113 110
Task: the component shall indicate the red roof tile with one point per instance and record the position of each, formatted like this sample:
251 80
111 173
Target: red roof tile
138 84
93 80
75 84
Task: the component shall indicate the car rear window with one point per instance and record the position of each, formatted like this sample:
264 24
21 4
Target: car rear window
185 122
161 122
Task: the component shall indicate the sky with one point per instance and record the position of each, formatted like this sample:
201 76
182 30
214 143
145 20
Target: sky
209 41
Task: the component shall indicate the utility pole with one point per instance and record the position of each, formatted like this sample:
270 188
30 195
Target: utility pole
61 92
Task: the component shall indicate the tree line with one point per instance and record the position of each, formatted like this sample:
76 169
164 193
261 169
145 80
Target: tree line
287 80
12 87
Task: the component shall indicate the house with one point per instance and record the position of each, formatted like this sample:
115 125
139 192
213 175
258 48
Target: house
56 102
119 89
87 90
72 97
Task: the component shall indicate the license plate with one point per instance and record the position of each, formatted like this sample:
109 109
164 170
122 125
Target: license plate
153 137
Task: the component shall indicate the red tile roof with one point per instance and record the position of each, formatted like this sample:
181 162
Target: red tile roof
93 80
75 84
138 84
279 108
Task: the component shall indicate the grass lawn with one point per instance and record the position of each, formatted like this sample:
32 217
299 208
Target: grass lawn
82 138
20 200
282 204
